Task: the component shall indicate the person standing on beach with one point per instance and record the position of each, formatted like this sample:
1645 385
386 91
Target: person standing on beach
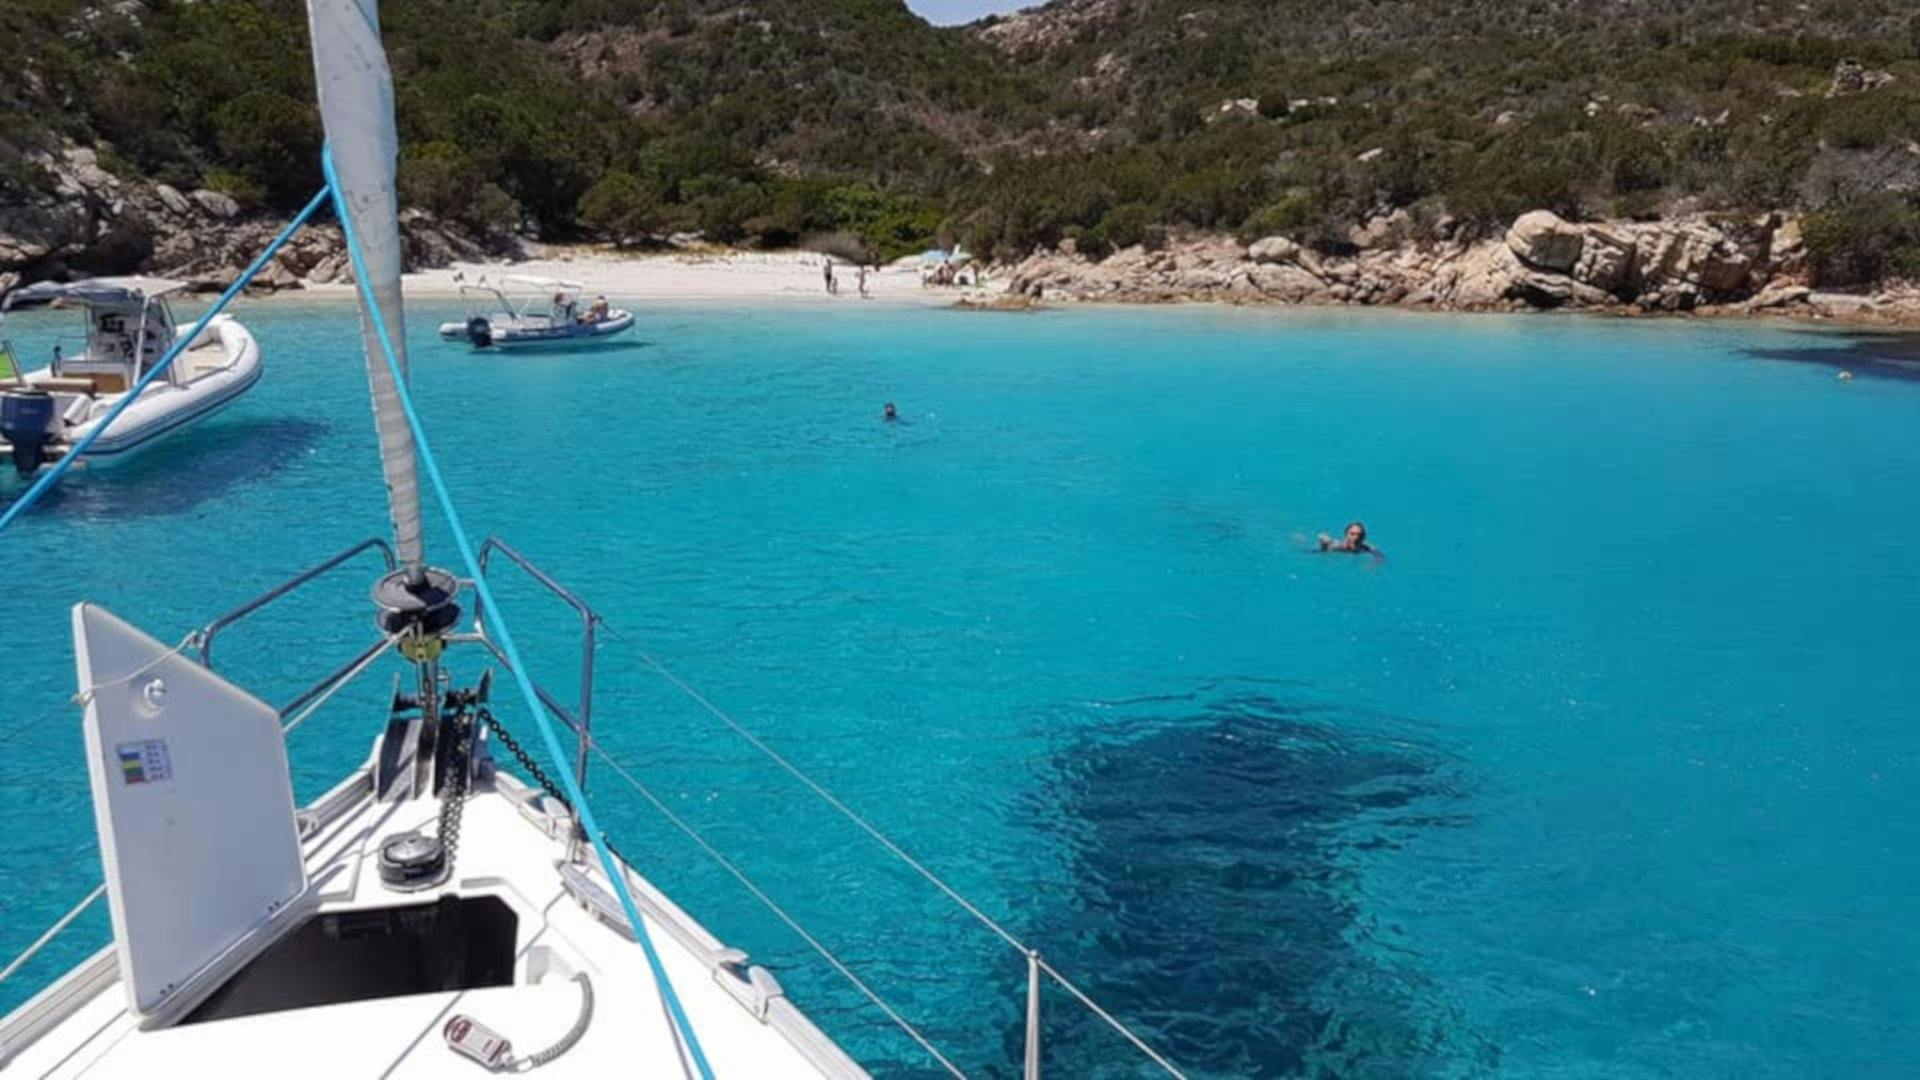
863 282
827 272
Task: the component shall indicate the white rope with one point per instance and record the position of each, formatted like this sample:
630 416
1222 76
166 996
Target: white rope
85 697
760 895
886 842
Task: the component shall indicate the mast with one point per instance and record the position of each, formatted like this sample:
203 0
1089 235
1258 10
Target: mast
356 107
415 602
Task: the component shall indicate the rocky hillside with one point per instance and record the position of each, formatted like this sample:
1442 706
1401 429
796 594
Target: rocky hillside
1103 124
1541 261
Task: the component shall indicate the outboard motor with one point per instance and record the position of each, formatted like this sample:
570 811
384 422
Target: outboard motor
27 420
480 331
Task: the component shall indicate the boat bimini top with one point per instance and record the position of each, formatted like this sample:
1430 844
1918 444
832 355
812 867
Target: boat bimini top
519 295
128 320
106 290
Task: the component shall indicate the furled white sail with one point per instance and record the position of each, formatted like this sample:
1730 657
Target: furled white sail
356 106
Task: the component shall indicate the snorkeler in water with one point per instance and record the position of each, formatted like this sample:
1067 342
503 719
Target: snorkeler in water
1353 543
890 414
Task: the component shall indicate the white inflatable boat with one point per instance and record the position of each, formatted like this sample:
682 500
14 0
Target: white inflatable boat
533 312
129 327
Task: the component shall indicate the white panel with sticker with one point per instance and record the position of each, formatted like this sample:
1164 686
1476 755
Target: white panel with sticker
193 802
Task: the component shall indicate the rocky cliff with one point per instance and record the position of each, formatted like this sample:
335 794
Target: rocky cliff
93 222
1696 263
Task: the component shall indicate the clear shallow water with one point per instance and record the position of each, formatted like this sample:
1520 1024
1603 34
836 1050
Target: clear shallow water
1609 770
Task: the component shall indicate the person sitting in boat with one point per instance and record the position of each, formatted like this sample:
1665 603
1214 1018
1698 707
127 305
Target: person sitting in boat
599 312
1353 543
563 309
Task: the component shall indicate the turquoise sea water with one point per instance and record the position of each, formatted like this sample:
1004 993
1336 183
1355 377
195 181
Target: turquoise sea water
1609 770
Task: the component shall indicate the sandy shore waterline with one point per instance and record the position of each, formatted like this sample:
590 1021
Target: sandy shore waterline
722 276
635 280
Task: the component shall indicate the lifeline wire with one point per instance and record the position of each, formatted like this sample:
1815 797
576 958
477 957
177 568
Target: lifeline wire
503 637
740 875
52 476
887 842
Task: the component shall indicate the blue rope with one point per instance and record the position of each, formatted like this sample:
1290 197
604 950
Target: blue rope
52 476
497 626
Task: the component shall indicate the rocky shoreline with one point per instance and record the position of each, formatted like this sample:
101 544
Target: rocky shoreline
93 222
1697 264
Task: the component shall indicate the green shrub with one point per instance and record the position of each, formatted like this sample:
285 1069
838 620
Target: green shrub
1291 212
1127 225
621 208
273 140
441 177
1886 117
241 189
1863 240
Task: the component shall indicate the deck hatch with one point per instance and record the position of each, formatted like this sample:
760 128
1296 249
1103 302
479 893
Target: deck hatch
453 943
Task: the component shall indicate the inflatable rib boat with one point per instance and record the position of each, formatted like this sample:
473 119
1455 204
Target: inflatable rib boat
129 327
532 312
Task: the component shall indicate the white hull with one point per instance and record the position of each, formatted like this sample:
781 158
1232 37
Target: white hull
536 332
221 364
81 1026
165 407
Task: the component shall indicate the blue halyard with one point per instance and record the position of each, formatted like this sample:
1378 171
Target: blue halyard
497 624
497 627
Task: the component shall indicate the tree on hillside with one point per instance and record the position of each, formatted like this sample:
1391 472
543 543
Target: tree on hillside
619 207
443 178
273 140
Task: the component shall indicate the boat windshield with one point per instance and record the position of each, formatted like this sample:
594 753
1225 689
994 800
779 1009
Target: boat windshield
128 332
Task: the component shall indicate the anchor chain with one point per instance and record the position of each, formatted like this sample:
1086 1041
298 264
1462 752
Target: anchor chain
525 759
453 802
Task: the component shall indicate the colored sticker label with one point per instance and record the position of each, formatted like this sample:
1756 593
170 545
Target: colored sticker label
144 762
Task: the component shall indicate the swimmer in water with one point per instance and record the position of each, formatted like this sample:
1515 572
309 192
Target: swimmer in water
890 414
1353 543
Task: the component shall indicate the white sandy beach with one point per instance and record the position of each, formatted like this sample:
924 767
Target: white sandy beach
722 275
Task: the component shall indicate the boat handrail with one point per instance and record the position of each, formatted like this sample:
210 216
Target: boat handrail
582 725
203 637
306 703
1037 965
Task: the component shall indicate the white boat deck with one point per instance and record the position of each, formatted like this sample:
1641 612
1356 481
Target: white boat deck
506 851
